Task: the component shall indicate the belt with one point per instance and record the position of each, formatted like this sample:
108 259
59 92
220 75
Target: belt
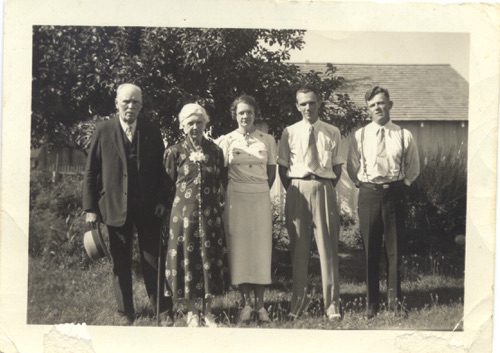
312 177
383 186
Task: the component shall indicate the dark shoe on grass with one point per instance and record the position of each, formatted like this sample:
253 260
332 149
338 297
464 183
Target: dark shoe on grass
371 313
166 320
124 319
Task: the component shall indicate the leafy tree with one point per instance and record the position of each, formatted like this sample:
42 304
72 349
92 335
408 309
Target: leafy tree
76 71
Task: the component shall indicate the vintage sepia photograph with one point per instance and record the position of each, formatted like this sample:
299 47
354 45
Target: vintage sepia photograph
85 76
236 176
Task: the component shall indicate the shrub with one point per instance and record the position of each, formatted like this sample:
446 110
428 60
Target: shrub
56 223
438 198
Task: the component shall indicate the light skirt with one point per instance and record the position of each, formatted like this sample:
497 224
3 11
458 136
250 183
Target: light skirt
248 222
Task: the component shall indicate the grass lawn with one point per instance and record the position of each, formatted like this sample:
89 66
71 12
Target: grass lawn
433 297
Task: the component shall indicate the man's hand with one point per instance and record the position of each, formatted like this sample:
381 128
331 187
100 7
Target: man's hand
91 220
160 210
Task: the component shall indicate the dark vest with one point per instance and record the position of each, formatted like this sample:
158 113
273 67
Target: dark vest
134 188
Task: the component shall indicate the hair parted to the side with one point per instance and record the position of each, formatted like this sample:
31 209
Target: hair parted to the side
306 88
372 92
245 99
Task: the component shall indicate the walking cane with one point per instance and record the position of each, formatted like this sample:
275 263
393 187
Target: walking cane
158 279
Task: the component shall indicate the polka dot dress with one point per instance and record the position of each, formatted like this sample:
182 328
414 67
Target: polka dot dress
196 261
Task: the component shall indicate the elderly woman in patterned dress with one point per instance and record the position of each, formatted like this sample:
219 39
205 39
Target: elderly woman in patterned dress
196 263
250 156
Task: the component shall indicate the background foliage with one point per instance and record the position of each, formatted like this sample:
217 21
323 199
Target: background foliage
76 71
437 201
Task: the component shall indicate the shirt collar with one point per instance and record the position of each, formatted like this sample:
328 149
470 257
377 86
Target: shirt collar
125 125
315 124
373 126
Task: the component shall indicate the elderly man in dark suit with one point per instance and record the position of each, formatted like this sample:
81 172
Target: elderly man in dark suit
125 186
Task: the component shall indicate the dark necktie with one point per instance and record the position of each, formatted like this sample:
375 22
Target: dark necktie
312 158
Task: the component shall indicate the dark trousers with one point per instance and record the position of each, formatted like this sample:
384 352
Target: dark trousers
121 240
381 217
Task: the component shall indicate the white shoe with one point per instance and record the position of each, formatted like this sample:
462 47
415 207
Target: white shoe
192 320
210 321
246 313
333 312
263 315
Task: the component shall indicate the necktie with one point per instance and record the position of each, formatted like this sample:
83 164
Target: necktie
129 134
381 153
312 159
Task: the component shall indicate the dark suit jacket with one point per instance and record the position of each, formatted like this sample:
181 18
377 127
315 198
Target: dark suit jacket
106 181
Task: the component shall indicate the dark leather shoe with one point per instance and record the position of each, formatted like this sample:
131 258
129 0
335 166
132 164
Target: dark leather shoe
166 319
166 322
370 313
124 320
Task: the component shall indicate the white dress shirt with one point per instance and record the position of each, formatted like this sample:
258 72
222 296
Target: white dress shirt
362 158
293 148
125 126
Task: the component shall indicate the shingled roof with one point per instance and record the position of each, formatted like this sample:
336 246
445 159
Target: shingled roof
419 92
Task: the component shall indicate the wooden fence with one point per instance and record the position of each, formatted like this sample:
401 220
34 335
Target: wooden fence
64 171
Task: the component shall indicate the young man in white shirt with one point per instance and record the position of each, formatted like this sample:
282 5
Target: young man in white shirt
309 168
382 162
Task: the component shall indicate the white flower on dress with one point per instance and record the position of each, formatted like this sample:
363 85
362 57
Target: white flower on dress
206 266
186 222
172 252
183 186
188 193
176 201
197 156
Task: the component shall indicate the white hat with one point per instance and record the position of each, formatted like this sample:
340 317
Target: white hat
94 244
